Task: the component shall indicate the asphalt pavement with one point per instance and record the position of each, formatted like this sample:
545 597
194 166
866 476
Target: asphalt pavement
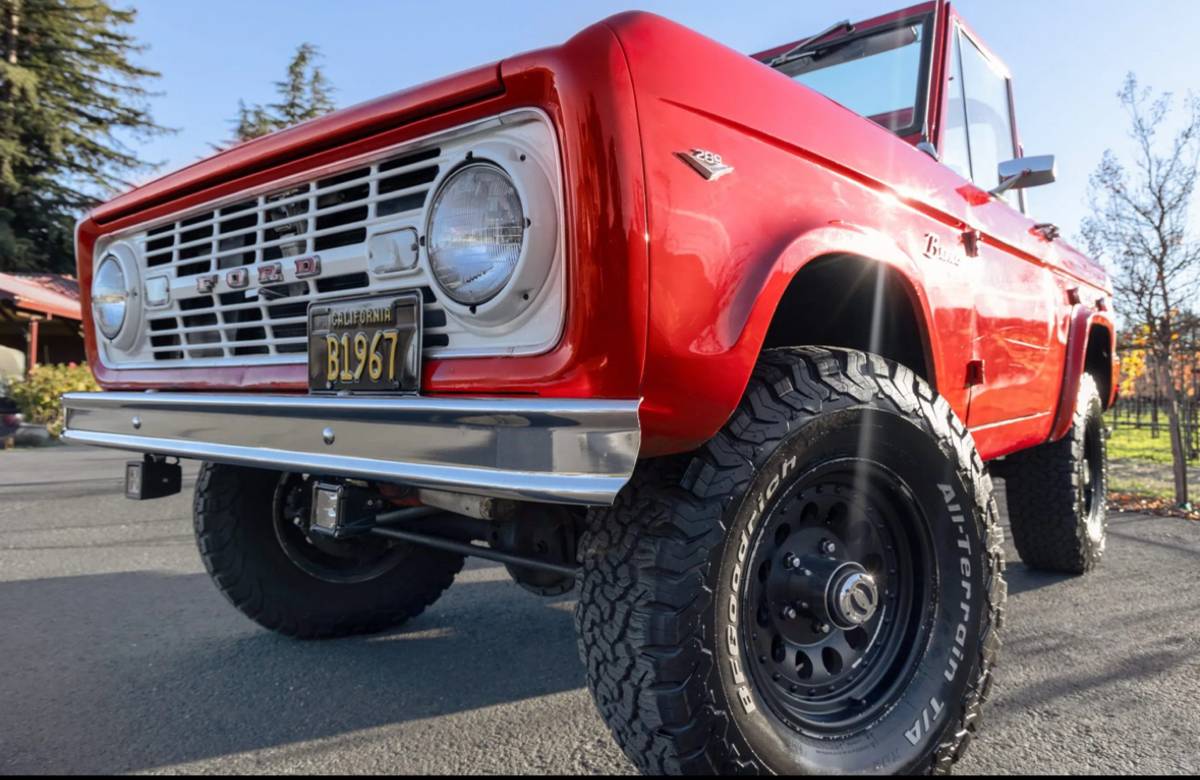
118 655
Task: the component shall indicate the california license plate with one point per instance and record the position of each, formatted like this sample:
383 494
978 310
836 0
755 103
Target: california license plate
365 344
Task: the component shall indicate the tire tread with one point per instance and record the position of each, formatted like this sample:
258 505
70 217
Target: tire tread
225 498
1042 488
643 589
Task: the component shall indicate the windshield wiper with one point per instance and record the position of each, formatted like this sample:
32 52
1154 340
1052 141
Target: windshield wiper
806 49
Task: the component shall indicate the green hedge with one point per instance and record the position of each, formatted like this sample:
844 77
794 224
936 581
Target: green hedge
39 395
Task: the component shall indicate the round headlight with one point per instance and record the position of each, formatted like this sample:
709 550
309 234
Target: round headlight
110 296
476 228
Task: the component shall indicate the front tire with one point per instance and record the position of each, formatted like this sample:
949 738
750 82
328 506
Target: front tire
250 528
1058 493
709 618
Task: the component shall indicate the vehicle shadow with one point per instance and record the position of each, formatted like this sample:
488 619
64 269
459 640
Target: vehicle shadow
132 671
1022 579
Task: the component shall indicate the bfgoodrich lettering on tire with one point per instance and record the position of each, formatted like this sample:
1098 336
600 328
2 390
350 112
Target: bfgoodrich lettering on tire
817 590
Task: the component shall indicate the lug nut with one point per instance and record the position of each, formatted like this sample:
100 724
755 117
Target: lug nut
828 547
821 628
789 561
789 613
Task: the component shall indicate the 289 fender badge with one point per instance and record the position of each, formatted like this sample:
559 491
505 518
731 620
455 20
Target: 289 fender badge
705 163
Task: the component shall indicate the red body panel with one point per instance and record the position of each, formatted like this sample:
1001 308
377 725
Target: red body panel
674 280
813 179
584 86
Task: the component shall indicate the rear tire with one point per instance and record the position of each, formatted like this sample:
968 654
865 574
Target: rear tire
1058 493
264 568
706 647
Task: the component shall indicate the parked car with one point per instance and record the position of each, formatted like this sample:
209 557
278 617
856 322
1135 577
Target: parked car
730 343
10 416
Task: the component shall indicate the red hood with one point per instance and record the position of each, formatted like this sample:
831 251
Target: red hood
303 140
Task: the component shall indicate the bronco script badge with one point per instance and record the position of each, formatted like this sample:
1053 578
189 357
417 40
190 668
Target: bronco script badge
705 163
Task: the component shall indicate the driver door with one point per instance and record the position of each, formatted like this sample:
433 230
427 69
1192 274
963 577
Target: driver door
1012 377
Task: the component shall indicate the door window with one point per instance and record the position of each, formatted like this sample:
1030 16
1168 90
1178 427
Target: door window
978 128
956 152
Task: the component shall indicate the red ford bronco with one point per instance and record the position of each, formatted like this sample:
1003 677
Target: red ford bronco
728 343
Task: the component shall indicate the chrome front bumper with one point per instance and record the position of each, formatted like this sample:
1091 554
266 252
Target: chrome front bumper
563 451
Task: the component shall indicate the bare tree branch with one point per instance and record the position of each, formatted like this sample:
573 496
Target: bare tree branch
1139 225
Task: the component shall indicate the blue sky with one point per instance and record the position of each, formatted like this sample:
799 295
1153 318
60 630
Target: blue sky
1068 57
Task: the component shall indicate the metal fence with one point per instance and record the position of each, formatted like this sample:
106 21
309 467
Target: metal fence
1142 405
1150 414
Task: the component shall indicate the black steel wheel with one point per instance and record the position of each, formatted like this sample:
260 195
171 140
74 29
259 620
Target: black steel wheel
817 590
251 528
1095 478
344 561
840 595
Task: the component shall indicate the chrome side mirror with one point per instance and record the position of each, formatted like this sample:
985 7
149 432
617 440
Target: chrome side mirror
1026 172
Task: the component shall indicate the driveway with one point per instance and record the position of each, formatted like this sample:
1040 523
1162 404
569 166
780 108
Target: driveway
120 656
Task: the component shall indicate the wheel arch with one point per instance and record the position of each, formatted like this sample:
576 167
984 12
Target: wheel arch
758 309
1100 358
823 305
1091 349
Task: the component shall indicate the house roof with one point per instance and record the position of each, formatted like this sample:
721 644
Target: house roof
52 294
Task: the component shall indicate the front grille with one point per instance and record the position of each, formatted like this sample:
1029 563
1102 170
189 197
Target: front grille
328 217
241 272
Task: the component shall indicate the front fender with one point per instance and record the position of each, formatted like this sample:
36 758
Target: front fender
706 338
809 179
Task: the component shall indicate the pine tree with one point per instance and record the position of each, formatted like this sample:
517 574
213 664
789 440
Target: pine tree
304 94
252 122
69 92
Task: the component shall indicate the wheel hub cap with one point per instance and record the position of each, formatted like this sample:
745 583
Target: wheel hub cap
855 597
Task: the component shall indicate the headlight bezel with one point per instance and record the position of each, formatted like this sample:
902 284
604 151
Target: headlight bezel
115 293
527 282
128 331
442 193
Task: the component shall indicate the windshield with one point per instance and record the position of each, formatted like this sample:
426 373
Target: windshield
876 74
